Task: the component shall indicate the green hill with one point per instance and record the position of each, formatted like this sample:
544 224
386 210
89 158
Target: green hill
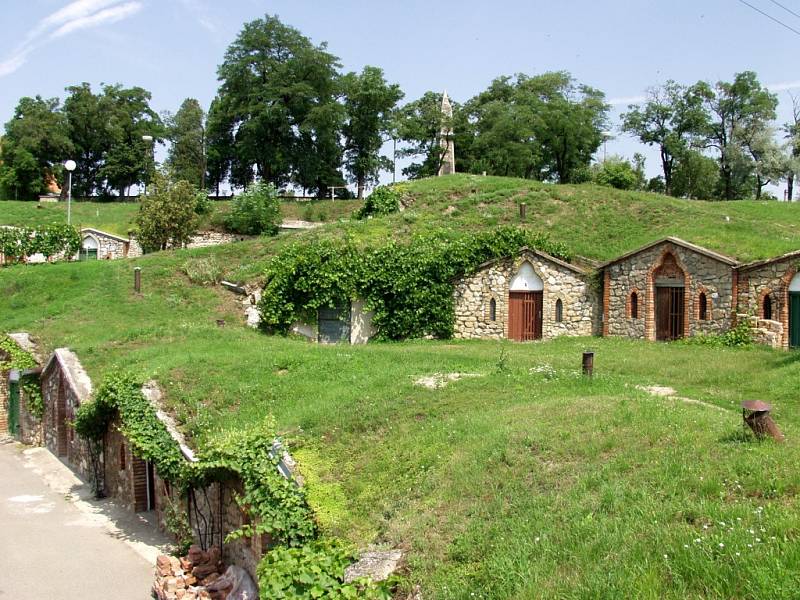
521 480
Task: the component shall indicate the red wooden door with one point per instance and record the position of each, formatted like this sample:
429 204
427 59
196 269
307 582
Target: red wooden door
524 316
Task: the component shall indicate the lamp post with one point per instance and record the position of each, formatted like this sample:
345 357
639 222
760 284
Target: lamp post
147 139
70 167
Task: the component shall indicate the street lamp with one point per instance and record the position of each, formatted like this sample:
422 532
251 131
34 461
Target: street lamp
147 139
607 135
70 167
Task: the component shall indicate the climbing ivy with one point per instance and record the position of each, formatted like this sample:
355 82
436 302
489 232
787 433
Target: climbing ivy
279 507
315 570
15 357
409 286
16 243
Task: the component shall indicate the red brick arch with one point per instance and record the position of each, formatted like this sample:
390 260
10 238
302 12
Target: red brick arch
650 300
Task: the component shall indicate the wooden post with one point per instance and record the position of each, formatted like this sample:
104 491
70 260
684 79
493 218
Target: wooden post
137 280
588 363
523 210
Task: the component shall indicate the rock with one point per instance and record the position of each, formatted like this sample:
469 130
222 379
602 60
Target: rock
376 565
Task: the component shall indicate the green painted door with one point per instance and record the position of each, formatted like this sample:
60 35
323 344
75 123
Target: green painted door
794 319
13 408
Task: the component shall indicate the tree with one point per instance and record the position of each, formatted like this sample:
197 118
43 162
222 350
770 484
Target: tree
106 130
87 118
546 127
419 124
570 121
167 217
792 131
770 162
33 148
256 211
219 147
369 103
671 118
695 176
129 157
737 109
186 132
279 99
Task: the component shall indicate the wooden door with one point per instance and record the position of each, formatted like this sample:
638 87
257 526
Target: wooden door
794 319
524 316
669 313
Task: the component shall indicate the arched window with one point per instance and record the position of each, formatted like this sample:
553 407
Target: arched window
634 305
702 307
559 311
767 307
492 309
122 457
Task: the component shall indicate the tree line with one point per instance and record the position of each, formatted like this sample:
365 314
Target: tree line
286 114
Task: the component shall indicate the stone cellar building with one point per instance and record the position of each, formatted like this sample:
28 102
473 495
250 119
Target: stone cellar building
769 293
528 297
668 290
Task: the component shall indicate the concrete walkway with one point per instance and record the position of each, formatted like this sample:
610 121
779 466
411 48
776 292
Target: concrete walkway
57 542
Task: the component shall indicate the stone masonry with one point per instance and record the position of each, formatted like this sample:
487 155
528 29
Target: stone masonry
769 279
474 294
110 246
701 271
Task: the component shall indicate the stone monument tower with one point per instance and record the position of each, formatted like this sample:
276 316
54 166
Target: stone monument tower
448 164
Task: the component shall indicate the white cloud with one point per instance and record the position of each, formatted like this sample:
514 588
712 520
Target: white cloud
200 12
107 16
80 14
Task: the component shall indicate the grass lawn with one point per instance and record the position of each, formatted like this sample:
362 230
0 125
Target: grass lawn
119 217
525 480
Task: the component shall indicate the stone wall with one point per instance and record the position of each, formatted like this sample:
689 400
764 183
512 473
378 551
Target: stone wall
31 429
112 247
636 274
473 297
64 386
214 238
771 279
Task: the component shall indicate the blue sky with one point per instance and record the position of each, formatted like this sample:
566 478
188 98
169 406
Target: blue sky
173 47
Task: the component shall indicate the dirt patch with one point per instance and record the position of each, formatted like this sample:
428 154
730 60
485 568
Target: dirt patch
440 380
663 391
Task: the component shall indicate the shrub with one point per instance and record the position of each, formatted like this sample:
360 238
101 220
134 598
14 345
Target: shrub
203 205
203 271
256 211
617 173
167 217
383 200
740 336
16 243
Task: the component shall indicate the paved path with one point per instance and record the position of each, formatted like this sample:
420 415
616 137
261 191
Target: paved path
56 542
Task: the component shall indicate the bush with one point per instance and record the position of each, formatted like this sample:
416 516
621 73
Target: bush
167 217
203 204
203 271
617 173
740 336
256 211
383 200
17 243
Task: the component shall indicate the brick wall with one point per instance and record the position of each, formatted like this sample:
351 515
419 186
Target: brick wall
771 279
700 274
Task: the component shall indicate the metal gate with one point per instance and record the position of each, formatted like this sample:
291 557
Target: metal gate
794 319
333 324
669 313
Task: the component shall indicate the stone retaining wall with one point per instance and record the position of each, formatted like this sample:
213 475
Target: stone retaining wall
204 239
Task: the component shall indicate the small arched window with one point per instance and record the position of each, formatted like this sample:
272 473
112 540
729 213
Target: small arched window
634 305
122 457
559 311
492 309
767 308
702 306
